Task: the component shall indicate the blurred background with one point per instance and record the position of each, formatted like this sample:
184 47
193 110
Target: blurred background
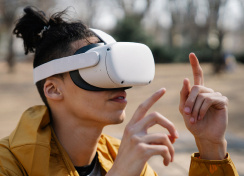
212 29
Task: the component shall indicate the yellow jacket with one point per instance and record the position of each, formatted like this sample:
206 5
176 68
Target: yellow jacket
32 149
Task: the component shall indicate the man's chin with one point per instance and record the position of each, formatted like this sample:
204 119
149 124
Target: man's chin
119 120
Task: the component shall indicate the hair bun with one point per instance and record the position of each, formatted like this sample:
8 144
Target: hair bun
29 27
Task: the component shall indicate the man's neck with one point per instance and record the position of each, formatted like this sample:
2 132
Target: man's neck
80 142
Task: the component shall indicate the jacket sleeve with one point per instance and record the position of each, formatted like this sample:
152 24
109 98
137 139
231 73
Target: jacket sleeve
8 168
9 165
148 171
201 167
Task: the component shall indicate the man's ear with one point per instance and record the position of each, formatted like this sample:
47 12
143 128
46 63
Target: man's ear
52 89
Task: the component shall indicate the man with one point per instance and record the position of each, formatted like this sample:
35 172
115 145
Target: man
64 137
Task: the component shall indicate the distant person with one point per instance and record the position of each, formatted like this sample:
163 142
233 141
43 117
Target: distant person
64 136
230 62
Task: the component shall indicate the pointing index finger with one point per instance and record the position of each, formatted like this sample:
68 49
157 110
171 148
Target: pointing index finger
196 69
146 105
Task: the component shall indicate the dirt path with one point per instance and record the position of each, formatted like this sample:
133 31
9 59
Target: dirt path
17 93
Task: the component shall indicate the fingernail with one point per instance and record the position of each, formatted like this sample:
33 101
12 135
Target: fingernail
192 120
187 110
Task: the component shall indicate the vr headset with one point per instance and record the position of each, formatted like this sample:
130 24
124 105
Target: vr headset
102 66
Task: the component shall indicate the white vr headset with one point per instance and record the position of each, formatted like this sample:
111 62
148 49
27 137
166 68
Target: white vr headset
104 66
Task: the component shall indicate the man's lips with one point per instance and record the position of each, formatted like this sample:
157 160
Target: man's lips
119 97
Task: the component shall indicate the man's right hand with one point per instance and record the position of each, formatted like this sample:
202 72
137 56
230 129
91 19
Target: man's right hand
137 146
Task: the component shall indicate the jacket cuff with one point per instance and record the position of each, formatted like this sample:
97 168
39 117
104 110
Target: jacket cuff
200 167
196 157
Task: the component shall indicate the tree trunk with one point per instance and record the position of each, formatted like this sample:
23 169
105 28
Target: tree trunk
10 56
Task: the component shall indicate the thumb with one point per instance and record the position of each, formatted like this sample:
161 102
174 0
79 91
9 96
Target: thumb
184 94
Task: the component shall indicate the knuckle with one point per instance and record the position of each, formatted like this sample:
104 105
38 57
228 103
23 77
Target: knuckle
135 139
129 130
210 90
155 114
201 96
142 107
200 71
218 93
196 88
163 137
141 148
165 150
198 74
226 100
208 99
190 102
171 124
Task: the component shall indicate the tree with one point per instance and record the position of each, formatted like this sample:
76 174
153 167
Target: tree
9 9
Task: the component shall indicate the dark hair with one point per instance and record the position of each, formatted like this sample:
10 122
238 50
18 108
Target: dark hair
48 38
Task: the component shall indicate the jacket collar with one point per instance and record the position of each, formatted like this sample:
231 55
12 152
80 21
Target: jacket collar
30 143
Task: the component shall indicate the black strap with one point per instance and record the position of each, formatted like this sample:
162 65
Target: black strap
88 47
